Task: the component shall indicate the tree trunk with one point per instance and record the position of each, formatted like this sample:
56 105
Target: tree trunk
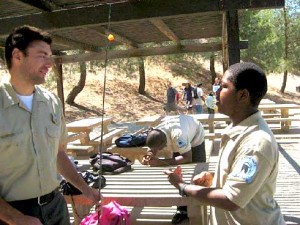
212 68
285 51
79 87
285 73
142 76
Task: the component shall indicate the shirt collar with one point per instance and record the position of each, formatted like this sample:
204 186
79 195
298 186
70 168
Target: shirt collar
12 98
246 124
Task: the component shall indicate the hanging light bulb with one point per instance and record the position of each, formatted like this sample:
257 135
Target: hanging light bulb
111 37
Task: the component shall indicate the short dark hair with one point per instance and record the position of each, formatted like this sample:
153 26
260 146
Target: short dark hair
251 77
21 38
156 139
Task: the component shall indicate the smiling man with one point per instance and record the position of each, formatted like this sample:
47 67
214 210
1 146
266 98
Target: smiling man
33 137
241 191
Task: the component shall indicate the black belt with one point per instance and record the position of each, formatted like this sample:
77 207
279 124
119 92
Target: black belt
41 200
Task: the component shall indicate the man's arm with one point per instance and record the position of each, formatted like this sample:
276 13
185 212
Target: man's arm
181 159
12 216
68 171
210 196
206 195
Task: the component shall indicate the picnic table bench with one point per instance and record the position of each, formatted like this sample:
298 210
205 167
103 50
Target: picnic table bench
90 134
76 150
285 118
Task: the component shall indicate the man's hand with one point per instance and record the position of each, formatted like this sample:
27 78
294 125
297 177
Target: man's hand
152 161
147 158
205 179
175 178
93 195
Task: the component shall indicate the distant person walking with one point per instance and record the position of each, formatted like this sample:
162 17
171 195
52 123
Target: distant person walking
172 100
188 95
198 99
211 103
216 85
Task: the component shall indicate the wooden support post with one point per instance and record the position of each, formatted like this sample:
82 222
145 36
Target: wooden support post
59 80
233 43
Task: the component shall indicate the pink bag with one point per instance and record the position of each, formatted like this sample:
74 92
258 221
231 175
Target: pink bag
112 214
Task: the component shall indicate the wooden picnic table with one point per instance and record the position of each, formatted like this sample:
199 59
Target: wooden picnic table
150 121
87 125
75 136
209 119
285 118
284 108
149 186
266 101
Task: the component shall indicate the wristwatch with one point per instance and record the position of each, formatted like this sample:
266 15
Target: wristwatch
181 189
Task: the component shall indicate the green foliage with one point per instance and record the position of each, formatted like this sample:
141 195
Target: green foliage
264 31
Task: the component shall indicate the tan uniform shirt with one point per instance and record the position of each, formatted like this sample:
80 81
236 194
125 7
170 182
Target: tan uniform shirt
183 132
247 172
29 144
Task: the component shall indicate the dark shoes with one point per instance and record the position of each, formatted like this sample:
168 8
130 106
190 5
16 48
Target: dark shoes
179 216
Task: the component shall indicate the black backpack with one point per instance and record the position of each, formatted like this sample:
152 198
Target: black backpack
195 93
131 140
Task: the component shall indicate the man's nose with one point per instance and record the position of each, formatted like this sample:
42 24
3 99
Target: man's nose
49 62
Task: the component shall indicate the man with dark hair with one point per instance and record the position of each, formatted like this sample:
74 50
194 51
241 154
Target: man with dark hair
33 137
241 191
184 136
172 104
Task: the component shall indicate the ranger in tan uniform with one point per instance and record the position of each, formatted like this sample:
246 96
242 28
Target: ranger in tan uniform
33 137
243 185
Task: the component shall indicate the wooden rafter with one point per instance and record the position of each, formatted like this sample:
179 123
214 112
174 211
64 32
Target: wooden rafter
140 52
165 29
132 10
74 44
44 5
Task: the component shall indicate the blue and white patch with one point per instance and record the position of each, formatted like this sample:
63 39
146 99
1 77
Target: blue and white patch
245 169
180 143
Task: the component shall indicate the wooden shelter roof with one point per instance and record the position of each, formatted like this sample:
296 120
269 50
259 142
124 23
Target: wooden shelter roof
174 26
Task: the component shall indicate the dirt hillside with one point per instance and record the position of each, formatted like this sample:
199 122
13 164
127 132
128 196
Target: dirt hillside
123 102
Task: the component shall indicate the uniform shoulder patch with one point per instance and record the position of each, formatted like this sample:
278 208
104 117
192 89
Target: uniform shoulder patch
245 169
181 143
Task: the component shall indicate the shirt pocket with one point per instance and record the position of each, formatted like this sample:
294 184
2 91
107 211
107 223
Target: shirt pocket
53 137
12 151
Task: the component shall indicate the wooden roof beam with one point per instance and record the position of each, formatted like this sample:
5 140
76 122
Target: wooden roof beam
128 10
118 38
74 44
44 5
121 39
165 29
140 52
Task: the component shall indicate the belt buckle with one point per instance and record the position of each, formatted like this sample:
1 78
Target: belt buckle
39 201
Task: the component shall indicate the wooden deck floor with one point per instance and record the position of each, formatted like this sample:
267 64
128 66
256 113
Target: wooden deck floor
287 193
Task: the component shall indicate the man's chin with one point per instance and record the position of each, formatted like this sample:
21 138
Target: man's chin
39 81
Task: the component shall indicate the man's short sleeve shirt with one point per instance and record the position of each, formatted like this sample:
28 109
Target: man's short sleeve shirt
29 144
183 132
247 172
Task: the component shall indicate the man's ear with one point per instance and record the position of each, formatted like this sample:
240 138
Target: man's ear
16 55
243 95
